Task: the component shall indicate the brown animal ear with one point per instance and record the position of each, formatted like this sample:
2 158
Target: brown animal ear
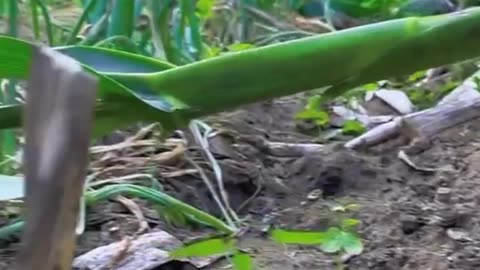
58 117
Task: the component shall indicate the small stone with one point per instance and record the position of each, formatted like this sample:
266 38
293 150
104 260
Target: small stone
409 223
443 195
314 194
458 235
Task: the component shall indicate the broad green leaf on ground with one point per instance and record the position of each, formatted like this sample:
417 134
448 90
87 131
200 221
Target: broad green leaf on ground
337 240
11 187
242 261
297 237
353 127
205 247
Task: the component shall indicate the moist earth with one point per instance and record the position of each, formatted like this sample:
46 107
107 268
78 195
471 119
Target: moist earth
407 221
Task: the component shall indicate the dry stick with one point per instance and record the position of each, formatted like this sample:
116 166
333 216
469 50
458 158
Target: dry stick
58 121
459 106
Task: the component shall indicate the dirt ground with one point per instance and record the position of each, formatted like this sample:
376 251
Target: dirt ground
405 223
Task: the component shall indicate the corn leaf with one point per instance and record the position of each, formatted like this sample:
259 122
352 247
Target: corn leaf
336 62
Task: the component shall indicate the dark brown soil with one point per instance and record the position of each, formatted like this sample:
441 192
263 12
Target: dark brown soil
404 225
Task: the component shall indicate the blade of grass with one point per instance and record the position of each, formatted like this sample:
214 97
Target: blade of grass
76 29
35 22
48 21
96 12
188 12
157 197
122 18
8 139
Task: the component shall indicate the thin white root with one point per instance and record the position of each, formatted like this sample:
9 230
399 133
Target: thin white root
376 135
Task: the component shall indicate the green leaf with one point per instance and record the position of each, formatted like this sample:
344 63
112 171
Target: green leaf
205 8
122 18
337 240
242 261
11 187
349 223
416 76
297 237
366 54
370 87
353 127
205 247
352 244
313 115
332 240
353 206
237 47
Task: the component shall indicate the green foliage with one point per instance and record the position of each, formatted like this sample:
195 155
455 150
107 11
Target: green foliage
124 56
353 127
205 247
320 118
172 97
205 8
337 240
242 261
176 209
297 237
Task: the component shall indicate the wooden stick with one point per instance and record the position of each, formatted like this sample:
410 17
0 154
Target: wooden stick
459 106
57 122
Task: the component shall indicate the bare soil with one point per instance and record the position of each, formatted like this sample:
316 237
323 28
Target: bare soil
404 224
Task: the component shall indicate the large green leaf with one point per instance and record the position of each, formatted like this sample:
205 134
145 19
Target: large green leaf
114 96
205 247
334 61
297 237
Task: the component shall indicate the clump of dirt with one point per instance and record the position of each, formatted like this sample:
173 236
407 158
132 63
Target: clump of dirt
411 219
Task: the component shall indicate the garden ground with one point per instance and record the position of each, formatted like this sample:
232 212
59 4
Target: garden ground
407 221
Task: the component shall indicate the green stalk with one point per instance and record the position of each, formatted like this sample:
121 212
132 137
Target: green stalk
188 13
35 22
122 18
95 13
76 29
48 21
156 197
12 17
7 137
